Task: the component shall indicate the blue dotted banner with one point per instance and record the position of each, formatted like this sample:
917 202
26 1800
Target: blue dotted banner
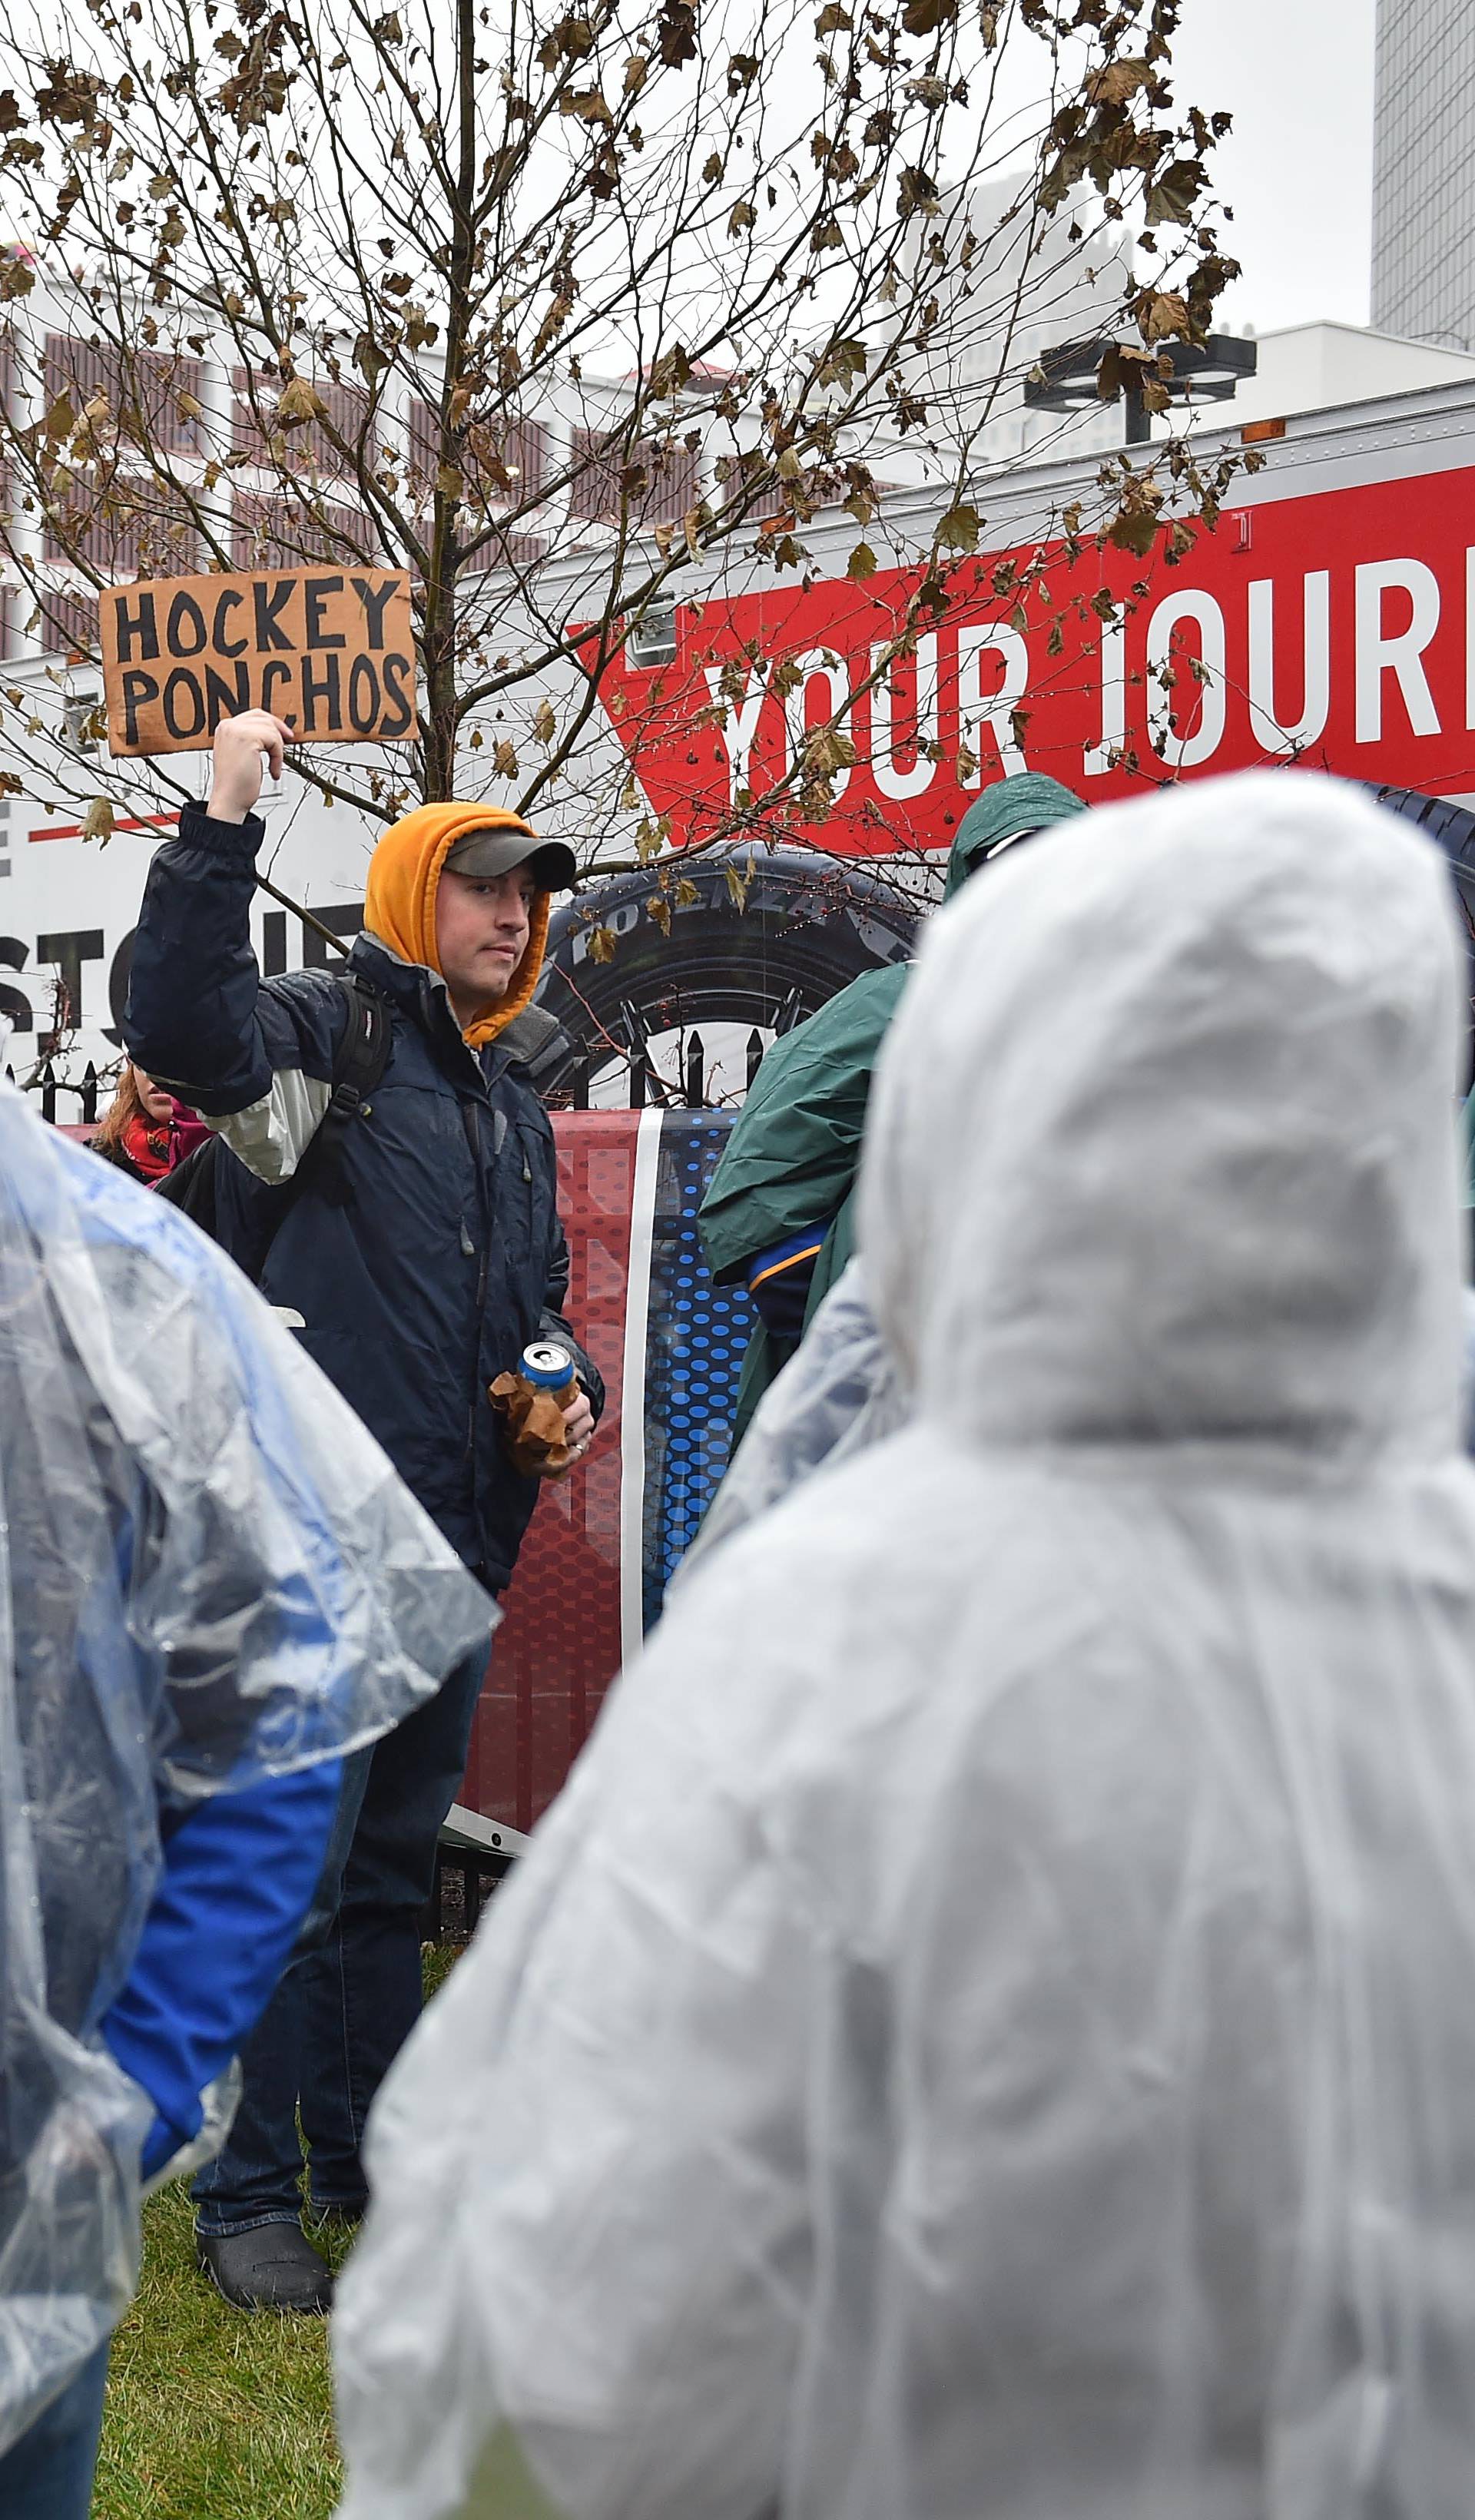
696 1337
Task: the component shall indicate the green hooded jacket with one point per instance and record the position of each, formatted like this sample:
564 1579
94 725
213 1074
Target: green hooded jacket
794 1152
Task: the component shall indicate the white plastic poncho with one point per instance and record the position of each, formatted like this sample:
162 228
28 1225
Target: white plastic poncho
990 2027
209 1573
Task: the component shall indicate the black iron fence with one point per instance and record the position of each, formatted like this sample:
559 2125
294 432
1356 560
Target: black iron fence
81 1098
691 1090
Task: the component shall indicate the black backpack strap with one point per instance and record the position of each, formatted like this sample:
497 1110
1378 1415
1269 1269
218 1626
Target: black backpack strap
191 1185
359 1061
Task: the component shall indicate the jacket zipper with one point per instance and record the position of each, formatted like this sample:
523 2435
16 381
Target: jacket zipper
471 1122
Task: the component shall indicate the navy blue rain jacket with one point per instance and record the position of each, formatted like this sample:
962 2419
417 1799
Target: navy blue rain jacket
442 1256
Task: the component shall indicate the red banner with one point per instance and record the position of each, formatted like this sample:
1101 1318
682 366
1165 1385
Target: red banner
561 1642
1337 630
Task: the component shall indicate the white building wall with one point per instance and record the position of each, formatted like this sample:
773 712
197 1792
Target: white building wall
1321 367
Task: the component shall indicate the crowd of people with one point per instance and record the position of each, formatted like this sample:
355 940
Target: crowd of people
988 2026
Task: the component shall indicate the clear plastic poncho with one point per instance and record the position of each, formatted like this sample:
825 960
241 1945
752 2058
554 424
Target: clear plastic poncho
209 1573
990 2025
837 1394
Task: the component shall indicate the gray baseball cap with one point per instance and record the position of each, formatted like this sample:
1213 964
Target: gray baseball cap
483 855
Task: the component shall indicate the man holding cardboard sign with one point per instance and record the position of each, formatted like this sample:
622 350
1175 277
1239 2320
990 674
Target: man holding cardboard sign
328 651
416 1234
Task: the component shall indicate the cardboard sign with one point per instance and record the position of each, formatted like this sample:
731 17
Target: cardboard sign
330 650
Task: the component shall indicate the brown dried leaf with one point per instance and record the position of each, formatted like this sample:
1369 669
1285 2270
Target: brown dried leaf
1134 529
828 750
1162 315
916 192
1172 195
676 33
1118 82
71 96
601 944
545 724
504 759
958 530
862 562
298 403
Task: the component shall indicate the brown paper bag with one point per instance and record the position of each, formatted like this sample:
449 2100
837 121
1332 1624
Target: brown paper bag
534 1428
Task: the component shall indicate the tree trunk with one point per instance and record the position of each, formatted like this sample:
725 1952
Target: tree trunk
441 711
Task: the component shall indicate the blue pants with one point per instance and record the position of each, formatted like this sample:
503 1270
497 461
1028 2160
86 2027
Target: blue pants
352 1994
47 2474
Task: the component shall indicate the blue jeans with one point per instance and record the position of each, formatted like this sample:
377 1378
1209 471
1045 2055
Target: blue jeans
48 2473
352 1995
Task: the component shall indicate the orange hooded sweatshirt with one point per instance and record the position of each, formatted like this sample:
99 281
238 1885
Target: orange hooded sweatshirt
399 900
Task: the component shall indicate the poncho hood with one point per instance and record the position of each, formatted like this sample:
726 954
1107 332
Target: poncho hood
399 900
1029 803
1161 1143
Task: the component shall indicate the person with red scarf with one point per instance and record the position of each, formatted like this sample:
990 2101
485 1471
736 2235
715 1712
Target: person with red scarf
145 1131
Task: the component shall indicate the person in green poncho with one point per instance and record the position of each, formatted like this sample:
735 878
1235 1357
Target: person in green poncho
778 1214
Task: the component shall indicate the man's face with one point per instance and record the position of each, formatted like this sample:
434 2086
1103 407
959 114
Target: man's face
482 925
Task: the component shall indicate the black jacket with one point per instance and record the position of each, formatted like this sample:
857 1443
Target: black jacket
425 1265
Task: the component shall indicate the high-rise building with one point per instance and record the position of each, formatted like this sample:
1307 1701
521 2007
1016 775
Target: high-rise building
1423 184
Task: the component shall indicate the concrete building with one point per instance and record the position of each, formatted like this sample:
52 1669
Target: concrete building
1423 188
1325 367
1031 286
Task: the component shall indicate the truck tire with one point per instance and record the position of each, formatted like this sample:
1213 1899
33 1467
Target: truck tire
805 927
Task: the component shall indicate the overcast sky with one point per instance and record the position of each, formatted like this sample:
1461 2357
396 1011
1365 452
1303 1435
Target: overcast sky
1297 77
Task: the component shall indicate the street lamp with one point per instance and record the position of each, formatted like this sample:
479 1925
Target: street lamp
1068 378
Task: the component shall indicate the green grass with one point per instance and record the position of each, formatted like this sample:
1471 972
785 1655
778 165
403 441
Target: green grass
212 2415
